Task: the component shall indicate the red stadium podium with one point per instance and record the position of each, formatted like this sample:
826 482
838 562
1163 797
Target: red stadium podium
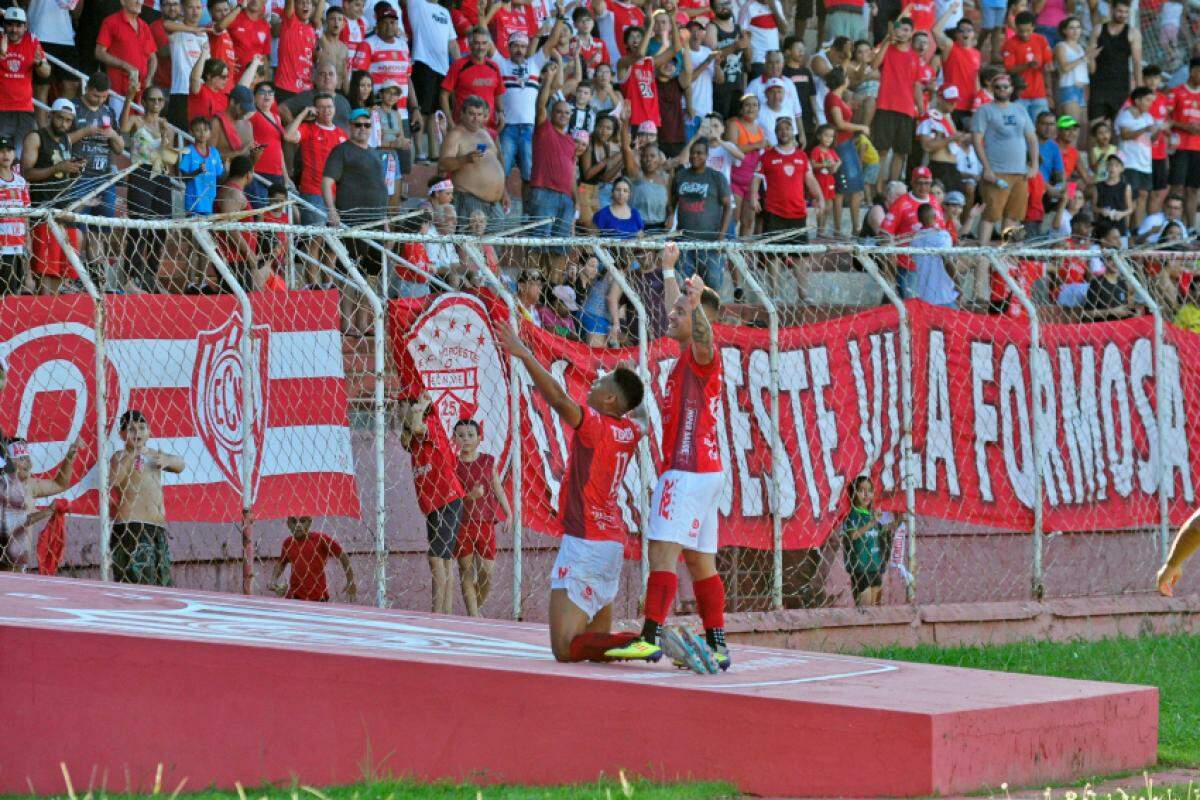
113 680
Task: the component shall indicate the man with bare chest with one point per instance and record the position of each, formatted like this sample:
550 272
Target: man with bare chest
140 553
472 160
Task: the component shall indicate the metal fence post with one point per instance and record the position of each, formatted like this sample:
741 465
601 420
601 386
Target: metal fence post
378 407
1165 482
1035 387
98 323
906 412
739 264
246 350
514 398
645 459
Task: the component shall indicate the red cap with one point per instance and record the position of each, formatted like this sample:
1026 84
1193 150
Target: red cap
922 172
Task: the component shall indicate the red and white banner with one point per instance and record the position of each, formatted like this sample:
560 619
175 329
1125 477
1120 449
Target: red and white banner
840 413
178 360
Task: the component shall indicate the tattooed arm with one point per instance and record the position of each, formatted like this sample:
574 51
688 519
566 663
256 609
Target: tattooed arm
702 333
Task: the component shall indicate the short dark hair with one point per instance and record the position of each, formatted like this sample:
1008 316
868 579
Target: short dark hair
835 78
710 300
699 143
240 166
841 41
470 423
99 82
1025 18
1140 92
630 387
131 417
579 13
323 96
905 21
473 101
630 30
258 87
925 213
194 121
1151 71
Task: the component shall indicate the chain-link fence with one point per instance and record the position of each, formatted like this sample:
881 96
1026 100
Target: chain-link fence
367 439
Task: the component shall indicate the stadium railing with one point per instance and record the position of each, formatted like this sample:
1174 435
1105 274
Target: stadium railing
1022 447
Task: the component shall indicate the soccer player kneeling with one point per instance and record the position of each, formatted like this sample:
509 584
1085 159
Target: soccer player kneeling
587 571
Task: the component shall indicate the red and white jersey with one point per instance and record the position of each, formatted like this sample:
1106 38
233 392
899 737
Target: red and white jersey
641 92
355 31
601 451
923 14
13 193
625 15
1026 274
354 36
250 37
756 17
1185 107
391 61
297 43
691 410
592 54
982 98
16 74
901 219
220 45
784 175
1159 109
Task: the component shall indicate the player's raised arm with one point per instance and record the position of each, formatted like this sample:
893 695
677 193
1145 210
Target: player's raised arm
670 257
702 333
554 393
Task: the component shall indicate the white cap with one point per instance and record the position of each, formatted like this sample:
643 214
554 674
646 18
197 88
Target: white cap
567 296
63 105
775 83
14 14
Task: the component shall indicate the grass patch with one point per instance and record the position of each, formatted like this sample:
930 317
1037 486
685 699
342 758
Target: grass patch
604 789
1172 663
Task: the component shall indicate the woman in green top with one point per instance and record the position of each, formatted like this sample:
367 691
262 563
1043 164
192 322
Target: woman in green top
866 543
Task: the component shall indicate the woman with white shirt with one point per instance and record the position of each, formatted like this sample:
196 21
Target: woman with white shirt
1071 57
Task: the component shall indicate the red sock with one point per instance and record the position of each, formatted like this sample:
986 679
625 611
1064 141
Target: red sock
592 646
710 601
660 594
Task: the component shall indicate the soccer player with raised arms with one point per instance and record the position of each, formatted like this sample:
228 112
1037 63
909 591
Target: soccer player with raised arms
683 510
587 571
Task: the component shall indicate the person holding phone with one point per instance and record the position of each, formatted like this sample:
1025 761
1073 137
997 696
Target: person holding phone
472 160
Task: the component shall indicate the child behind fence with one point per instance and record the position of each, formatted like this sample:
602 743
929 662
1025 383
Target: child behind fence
484 505
866 543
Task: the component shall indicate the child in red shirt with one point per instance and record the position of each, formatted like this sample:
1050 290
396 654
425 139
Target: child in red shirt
483 506
439 491
825 164
308 551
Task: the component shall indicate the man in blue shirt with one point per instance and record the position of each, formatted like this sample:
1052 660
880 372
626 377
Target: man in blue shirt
1050 159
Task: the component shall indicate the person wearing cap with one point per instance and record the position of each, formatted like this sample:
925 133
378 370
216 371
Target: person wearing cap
233 133
941 140
774 109
1007 147
521 74
559 316
902 220
1075 167
390 62
789 102
355 170
21 60
471 159
126 47
473 75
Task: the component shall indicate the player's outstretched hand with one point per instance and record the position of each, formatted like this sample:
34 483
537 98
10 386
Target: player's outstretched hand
511 343
1168 576
670 256
693 287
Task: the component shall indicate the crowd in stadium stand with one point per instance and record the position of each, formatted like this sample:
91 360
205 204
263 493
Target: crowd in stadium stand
917 122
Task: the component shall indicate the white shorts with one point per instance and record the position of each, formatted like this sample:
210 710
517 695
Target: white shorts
590 571
684 509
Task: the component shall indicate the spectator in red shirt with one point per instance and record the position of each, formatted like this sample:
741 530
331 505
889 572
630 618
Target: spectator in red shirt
21 58
126 46
960 67
307 552
1028 55
473 74
439 491
313 129
249 33
268 134
220 43
786 172
900 102
297 47
552 179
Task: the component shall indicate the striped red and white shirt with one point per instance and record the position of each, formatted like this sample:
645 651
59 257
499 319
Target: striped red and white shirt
13 192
